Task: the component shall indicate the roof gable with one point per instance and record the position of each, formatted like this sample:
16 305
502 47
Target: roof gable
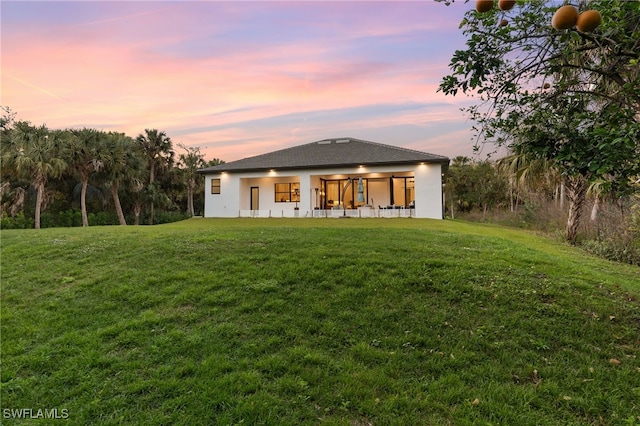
329 153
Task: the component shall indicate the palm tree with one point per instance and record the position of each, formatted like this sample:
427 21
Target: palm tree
526 173
132 178
158 149
460 160
13 189
117 149
85 158
191 161
35 153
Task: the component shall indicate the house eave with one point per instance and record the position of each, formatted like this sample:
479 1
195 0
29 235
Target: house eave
218 169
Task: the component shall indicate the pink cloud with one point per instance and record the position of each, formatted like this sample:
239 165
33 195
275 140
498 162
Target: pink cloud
138 68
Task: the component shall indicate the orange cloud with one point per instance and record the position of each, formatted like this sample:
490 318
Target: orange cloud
213 82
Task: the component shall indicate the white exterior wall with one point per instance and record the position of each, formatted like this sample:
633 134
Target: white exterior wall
225 204
235 188
428 188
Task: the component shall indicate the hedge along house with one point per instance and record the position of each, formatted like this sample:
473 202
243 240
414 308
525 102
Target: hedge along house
328 178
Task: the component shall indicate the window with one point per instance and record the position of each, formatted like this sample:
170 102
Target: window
287 192
215 186
337 196
403 191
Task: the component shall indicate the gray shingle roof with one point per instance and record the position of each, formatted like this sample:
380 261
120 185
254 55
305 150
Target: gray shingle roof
329 153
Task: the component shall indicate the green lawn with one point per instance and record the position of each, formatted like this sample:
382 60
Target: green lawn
316 321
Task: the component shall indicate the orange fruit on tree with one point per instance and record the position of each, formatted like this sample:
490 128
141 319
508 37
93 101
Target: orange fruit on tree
565 18
506 4
589 21
484 5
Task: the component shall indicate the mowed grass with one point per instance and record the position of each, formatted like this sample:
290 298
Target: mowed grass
316 321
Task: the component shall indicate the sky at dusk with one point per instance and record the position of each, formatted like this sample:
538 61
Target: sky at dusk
239 78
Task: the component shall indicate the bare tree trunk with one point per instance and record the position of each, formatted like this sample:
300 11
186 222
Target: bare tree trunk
562 194
5 188
190 197
152 171
116 202
137 208
512 200
621 206
83 201
576 192
152 178
595 209
39 195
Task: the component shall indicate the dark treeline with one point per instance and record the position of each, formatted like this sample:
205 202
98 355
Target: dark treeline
82 177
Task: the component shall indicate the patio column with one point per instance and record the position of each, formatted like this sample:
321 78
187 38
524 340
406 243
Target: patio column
306 193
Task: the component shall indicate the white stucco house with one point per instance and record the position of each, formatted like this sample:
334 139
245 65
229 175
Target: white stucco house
328 178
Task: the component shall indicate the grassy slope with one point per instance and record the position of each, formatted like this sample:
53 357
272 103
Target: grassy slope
321 320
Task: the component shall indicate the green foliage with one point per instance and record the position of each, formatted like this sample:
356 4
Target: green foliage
635 214
73 218
158 150
571 99
67 218
192 160
614 234
619 250
474 185
103 218
17 222
170 216
93 170
307 321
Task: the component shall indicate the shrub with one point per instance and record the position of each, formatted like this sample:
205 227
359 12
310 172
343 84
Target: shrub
614 235
618 250
20 221
635 214
169 217
103 219
63 219
73 218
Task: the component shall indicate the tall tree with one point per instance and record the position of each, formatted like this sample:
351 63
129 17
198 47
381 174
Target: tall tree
566 96
85 157
35 153
474 185
124 175
214 162
526 174
122 163
158 148
190 162
12 187
454 182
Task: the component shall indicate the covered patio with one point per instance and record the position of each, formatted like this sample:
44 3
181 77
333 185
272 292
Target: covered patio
366 195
